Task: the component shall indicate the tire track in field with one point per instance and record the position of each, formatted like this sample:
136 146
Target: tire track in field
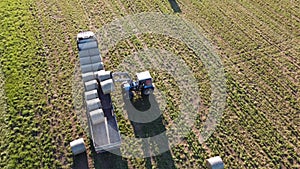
279 11
70 26
202 15
287 35
46 37
251 22
138 62
271 51
171 121
257 127
240 136
137 47
58 42
281 120
277 110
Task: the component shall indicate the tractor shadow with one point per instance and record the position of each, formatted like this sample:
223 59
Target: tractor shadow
148 108
108 159
175 6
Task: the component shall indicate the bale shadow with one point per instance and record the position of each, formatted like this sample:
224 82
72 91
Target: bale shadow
108 159
175 6
148 107
80 161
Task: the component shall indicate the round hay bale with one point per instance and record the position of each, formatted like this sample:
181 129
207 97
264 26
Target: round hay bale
85 61
215 163
77 146
97 66
97 116
93 104
89 95
103 75
88 76
91 85
107 86
96 59
86 68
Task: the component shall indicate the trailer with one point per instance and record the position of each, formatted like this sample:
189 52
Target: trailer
103 126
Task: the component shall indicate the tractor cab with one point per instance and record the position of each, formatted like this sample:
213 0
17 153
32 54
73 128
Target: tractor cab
144 83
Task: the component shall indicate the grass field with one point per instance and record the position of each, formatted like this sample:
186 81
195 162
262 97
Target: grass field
257 41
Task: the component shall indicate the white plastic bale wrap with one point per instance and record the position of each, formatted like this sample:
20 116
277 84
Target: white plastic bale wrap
107 86
85 61
96 59
91 85
93 104
77 146
94 51
86 68
88 45
103 75
83 53
89 95
88 76
97 66
215 163
92 67
97 116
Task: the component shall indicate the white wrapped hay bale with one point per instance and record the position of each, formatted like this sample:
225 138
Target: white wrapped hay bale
103 75
77 146
97 66
97 116
92 67
215 163
87 45
85 61
93 104
91 85
88 76
94 51
83 53
86 68
90 95
96 59
107 86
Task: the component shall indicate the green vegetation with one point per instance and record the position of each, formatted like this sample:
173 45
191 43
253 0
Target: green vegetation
256 41
24 69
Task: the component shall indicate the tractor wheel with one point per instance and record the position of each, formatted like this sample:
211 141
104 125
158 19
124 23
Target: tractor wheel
131 95
147 92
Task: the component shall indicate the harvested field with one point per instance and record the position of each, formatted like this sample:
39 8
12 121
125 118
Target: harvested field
258 43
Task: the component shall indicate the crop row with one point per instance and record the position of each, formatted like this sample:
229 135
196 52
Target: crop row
128 47
282 89
136 45
58 29
25 71
259 102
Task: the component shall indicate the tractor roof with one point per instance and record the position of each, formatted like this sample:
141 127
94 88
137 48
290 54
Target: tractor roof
143 76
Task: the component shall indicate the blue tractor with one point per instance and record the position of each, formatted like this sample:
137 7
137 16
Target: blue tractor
143 84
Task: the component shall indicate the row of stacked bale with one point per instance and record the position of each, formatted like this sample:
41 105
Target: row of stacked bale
95 80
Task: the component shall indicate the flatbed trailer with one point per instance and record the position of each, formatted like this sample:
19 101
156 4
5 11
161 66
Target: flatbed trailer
103 126
105 135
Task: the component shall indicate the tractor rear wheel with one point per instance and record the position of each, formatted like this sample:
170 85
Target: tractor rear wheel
147 92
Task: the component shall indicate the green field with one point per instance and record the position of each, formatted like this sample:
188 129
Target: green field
257 41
